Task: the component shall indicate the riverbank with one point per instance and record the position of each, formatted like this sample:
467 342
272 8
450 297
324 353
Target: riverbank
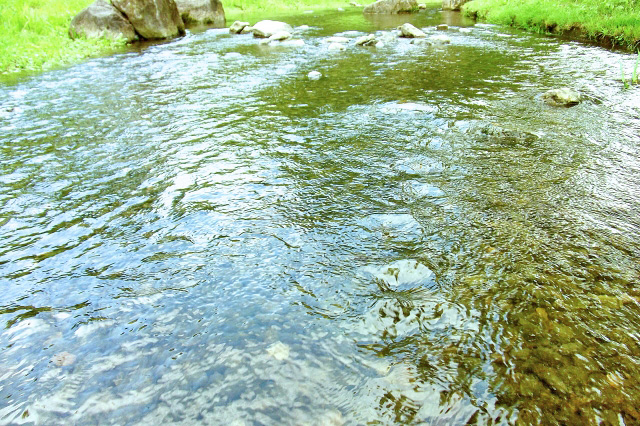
35 32
35 35
611 23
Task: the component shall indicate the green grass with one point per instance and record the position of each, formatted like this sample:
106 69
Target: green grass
616 21
35 35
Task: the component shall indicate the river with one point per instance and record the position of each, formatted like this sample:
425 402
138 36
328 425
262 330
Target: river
201 234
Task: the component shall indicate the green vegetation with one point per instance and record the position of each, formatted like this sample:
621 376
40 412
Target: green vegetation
615 22
35 35
234 8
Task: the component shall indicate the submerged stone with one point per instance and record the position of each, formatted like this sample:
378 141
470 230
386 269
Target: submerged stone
440 39
279 351
63 359
314 75
563 96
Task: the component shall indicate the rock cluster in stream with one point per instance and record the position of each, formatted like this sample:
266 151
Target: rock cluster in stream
145 19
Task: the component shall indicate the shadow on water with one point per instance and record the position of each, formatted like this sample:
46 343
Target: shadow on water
414 238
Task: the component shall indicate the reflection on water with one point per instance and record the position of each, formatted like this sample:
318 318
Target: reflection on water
197 233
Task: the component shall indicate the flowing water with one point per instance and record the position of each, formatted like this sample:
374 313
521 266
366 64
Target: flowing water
195 232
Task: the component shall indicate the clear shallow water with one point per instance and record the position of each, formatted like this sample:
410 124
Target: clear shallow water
217 239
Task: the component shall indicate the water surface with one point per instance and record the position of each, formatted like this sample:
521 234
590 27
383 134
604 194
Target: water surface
414 238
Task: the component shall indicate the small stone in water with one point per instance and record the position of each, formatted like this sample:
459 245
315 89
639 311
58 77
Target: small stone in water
279 351
314 75
442 27
63 359
337 46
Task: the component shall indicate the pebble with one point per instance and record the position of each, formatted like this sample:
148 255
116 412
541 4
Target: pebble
63 359
314 75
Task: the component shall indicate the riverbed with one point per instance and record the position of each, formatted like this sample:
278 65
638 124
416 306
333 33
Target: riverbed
195 232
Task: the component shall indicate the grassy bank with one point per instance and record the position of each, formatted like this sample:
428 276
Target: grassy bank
35 35
234 8
611 22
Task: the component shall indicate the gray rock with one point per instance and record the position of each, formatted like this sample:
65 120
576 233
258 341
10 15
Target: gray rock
453 4
336 46
440 39
247 30
314 75
563 96
368 40
152 19
495 133
237 27
392 6
267 28
201 12
442 27
280 36
102 20
422 6
421 42
408 30
336 39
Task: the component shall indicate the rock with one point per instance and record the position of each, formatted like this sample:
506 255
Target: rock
201 12
392 6
247 30
379 45
442 27
102 20
152 19
563 96
314 75
237 27
440 39
292 43
453 4
337 46
408 30
279 351
421 42
336 40
267 28
465 30
63 359
280 36
368 40
354 4
422 6
497 133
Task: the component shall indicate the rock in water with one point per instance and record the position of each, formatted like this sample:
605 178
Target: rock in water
440 39
408 30
202 12
453 4
314 75
368 40
100 20
392 6
442 27
152 19
279 351
237 27
563 96
337 46
63 359
267 28
280 36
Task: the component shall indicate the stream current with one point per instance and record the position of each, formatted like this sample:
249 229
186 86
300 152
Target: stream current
199 233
